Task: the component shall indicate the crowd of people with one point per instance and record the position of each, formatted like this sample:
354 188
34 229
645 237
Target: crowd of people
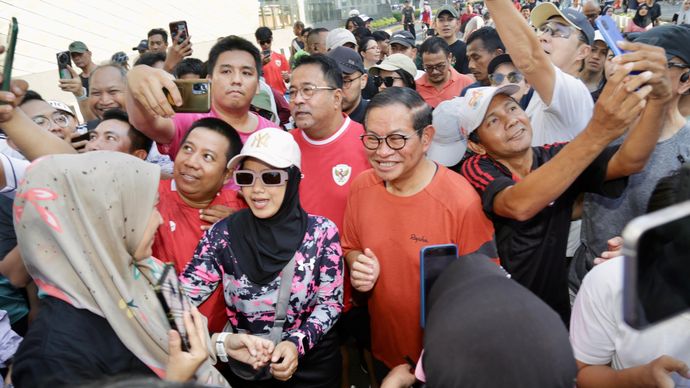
293 212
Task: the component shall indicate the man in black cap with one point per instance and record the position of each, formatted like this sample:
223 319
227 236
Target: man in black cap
670 154
447 26
354 80
142 47
402 42
550 61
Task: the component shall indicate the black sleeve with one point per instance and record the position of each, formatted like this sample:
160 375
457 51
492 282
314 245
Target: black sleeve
593 179
487 178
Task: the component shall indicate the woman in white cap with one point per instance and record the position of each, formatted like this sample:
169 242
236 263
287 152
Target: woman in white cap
395 70
281 269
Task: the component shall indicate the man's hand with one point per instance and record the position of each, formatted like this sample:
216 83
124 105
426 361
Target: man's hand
620 103
399 377
72 85
249 349
614 248
283 370
80 146
146 84
177 52
213 214
658 372
182 365
648 58
365 271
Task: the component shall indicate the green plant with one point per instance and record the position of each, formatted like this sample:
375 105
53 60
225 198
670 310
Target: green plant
398 16
385 22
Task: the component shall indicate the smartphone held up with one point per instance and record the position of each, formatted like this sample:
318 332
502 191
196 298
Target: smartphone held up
179 31
64 60
195 93
7 58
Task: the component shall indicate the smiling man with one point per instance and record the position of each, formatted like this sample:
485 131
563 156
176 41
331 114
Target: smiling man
404 203
234 65
550 61
529 192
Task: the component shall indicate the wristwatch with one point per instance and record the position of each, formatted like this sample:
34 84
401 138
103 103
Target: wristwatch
220 347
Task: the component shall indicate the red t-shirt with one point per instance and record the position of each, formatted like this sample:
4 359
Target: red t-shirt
179 235
183 121
272 72
329 166
395 228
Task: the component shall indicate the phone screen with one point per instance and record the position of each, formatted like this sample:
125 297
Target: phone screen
663 270
174 302
434 260
178 30
9 39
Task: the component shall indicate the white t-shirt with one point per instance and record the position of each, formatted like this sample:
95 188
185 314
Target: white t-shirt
570 110
599 336
14 170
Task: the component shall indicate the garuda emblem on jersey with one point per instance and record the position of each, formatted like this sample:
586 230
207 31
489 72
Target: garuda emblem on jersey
341 173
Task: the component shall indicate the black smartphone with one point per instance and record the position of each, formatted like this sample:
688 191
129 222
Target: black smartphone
179 31
196 95
63 60
174 302
433 259
657 269
7 58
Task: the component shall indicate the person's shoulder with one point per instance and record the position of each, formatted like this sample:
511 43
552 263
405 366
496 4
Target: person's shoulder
450 188
320 222
364 181
608 274
263 122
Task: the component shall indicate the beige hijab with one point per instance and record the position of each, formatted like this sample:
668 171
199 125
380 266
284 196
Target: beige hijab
79 220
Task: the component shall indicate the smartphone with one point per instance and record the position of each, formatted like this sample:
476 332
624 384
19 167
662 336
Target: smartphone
657 266
77 139
7 58
174 302
179 31
63 60
611 34
196 95
433 259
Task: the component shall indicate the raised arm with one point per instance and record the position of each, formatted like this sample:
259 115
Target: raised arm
147 106
524 47
615 110
32 141
641 141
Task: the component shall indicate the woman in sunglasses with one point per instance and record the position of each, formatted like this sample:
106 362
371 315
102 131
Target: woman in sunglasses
502 71
281 269
395 70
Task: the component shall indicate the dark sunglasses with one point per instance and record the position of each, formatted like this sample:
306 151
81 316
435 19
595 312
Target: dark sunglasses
263 42
513 77
388 81
268 177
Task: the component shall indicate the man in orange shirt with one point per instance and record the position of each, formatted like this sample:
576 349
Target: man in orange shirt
441 81
276 68
404 203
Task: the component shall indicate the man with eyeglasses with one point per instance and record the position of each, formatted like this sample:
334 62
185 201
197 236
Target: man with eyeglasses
529 191
355 79
404 203
441 82
672 151
332 155
561 106
276 68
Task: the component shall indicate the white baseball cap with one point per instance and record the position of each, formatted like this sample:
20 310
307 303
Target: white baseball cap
448 144
272 146
338 37
473 106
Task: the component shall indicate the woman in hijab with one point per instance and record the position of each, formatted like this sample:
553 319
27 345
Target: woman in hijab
683 14
281 269
642 21
85 227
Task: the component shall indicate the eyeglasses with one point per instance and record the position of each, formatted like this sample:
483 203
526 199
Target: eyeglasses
307 91
556 30
59 119
348 82
373 48
395 141
439 67
388 81
678 65
263 42
268 177
513 77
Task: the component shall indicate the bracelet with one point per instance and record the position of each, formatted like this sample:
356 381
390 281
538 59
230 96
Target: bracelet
220 347
83 96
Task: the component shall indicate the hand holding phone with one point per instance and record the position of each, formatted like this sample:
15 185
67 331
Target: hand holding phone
64 61
433 260
611 34
179 31
174 302
195 93
79 141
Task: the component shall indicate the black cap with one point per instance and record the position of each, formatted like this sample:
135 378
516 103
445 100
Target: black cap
404 38
348 60
675 39
498 60
143 45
